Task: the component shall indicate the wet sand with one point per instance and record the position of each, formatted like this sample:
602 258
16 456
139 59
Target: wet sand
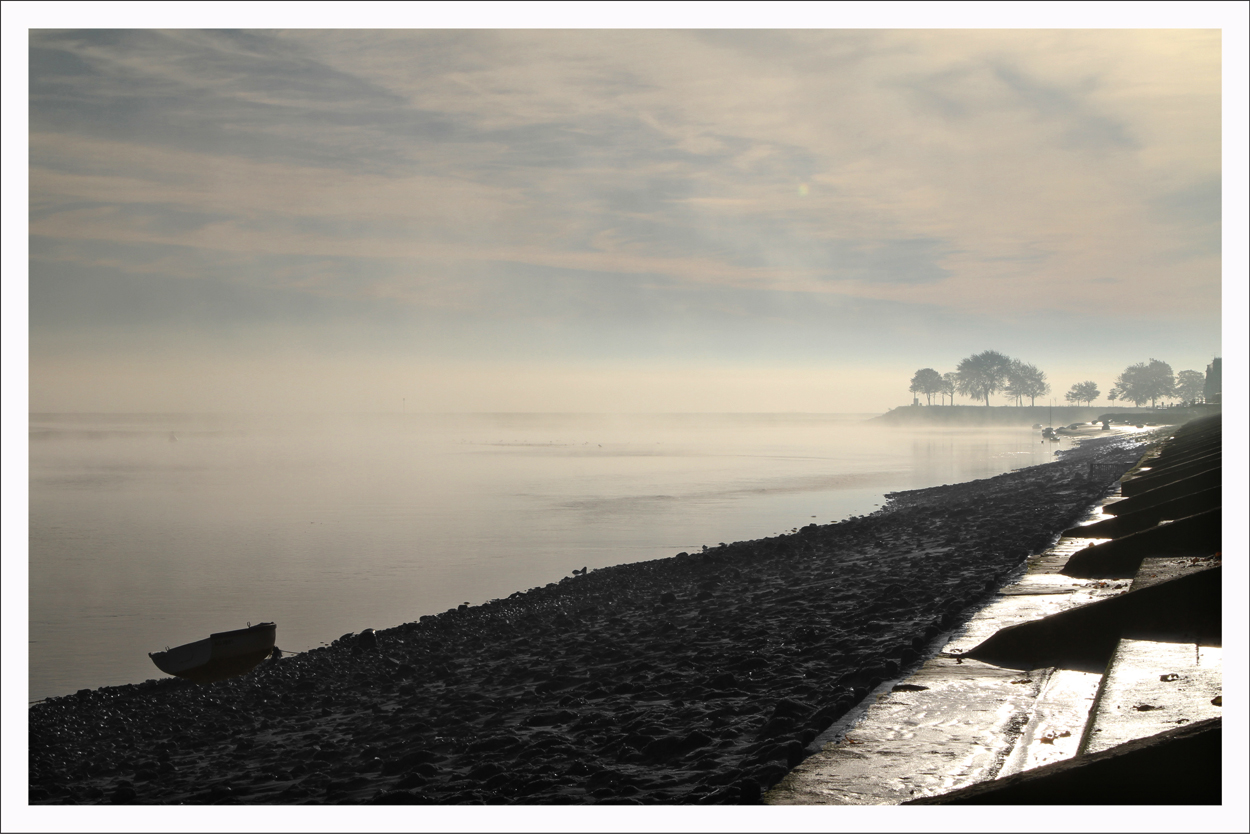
696 679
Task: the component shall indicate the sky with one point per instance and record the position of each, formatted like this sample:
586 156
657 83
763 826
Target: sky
655 219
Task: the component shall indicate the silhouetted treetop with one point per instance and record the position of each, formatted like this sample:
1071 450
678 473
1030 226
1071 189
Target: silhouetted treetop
1189 385
1144 381
928 382
982 374
1083 392
1025 380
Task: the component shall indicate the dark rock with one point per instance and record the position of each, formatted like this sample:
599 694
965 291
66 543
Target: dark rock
400 797
694 741
638 741
770 774
778 726
485 771
124 794
580 768
547 719
493 743
787 708
790 752
728 795
412 780
535 786
349 784
329 754
662 748
498 782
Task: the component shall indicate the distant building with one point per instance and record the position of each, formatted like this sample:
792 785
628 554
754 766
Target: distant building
1212 388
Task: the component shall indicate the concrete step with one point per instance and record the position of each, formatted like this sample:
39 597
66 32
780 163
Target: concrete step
1183 609
1196 535
1129 523
1151 688
1182 766
955 721
1135 501
1152 479
1175 470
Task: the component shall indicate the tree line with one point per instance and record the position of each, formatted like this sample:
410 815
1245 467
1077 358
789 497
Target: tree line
989 372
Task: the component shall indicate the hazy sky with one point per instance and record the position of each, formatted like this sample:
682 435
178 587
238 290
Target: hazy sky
599 220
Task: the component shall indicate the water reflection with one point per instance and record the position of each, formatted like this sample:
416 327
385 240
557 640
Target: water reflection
333 524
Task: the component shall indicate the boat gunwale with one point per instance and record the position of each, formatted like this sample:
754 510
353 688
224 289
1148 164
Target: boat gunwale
215 643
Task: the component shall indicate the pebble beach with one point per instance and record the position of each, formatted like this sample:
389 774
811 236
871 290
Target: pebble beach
703 678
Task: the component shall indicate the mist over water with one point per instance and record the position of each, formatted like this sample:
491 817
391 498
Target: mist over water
149 531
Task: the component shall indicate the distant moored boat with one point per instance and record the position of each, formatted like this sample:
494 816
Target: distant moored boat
220 656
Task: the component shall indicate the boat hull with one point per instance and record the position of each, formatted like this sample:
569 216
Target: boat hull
225 654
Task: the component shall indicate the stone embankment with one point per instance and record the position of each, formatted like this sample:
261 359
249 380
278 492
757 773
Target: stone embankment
1094 679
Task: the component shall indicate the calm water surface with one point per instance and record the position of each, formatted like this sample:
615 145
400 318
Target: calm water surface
150 530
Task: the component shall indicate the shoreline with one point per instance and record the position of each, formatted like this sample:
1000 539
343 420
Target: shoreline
974 416
700 678
693 486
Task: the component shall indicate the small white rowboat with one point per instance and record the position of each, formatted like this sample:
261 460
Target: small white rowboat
223 655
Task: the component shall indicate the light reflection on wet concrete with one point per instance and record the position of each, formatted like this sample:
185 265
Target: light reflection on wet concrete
1153 687
957 722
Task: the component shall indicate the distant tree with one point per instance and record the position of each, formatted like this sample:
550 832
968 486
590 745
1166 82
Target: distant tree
928 382
982 374
1189 385
1083 392
1142 382
1125 387
1212 389
948 385
1159 380
1024 380
1015 377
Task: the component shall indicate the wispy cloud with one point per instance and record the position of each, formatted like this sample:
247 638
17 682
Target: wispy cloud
635 177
